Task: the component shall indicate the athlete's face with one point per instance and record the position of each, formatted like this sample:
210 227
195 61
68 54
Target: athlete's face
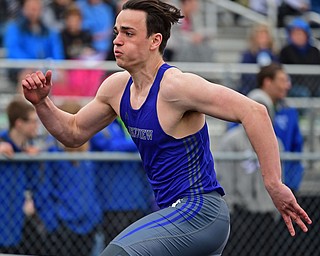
131 45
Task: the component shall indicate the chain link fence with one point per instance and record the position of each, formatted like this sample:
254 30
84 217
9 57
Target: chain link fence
69 205
76 203
256 226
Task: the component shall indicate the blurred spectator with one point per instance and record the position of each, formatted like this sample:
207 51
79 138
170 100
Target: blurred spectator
274 84
261 50
117 6
67 200
54 14
78 45
28 38
291 8
16 178
123 186
98 18
189 41
246 194
300 50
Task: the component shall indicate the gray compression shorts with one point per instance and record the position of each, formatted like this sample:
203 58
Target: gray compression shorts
193 226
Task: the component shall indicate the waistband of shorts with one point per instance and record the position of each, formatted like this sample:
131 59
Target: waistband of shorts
214 193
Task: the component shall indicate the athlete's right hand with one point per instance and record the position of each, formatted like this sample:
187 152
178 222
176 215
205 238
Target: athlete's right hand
37 86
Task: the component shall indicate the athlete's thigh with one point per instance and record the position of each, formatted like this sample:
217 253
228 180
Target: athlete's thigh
193 226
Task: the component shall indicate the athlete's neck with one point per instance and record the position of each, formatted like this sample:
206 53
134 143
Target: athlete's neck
145 76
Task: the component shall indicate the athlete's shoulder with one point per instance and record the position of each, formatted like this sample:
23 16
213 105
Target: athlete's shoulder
175 81
117 77
115 81
113 86
176 76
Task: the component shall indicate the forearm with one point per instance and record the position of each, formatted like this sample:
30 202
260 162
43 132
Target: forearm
59 123
265 143
260 132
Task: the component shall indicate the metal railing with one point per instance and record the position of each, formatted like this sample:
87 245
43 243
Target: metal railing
121 156
227 74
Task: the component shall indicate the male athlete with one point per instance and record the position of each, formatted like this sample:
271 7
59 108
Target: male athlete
164 111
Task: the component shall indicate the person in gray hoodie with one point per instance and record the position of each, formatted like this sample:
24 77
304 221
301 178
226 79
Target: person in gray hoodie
252 212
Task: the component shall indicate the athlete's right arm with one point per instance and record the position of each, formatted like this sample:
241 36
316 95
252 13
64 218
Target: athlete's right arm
71 130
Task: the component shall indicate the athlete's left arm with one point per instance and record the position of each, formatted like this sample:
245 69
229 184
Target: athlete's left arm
193 93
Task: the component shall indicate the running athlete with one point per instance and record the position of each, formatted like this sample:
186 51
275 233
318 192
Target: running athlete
164 111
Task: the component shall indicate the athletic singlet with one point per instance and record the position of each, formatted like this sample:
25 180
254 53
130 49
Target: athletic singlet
175 167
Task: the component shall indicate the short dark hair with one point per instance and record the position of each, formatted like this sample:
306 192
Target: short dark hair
269 71
72 10
18 108
160 17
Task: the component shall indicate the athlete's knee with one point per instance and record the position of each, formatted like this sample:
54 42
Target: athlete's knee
114 250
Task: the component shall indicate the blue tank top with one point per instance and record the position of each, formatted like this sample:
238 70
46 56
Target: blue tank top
175 167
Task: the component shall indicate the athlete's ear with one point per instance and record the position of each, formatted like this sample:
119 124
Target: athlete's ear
156 40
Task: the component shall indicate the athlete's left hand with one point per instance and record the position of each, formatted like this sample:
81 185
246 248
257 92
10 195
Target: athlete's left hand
289 209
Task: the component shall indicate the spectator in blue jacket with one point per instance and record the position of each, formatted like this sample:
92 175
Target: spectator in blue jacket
67 200
17 177
28 38
77 45
98 18
273 82
122 185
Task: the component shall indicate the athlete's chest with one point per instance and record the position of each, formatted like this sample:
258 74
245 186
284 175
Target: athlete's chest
138 96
